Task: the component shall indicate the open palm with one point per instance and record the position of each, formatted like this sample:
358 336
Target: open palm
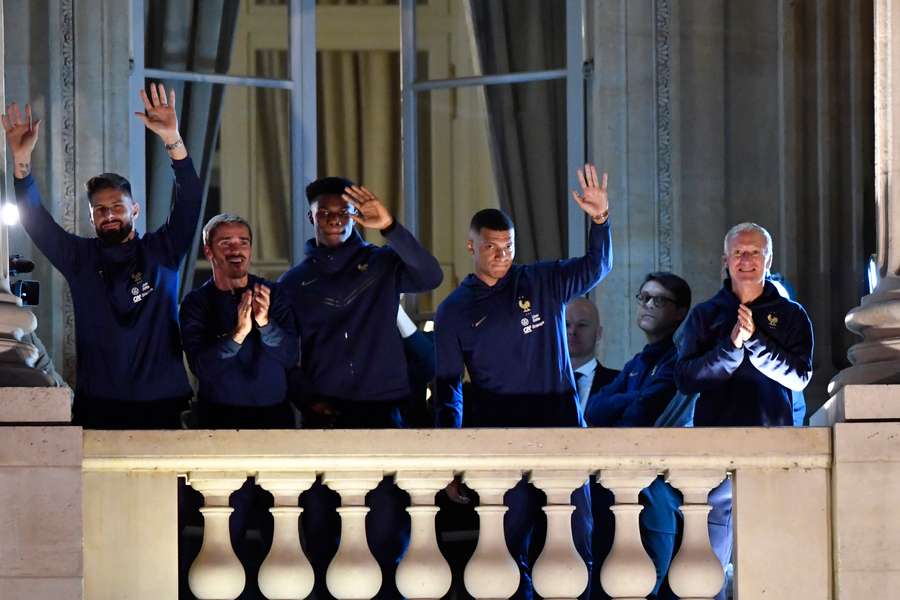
21 134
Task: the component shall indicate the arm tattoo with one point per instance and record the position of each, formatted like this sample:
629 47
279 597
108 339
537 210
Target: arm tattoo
23 168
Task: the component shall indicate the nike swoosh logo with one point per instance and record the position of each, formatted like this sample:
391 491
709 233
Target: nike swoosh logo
306 283
479 321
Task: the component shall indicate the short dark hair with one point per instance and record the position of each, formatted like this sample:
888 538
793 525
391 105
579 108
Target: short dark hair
674 284
491 218
107 181
326 186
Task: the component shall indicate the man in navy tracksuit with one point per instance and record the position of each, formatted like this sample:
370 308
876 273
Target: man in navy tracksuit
505 324
238 335
743 351
353 373
124 286
636 398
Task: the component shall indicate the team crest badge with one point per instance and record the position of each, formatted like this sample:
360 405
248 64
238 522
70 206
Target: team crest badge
773 320
362 267
525 304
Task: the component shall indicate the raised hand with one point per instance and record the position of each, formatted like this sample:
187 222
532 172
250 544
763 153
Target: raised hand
744 328
244 318
21 135
593 198
371 212
261 300
159 114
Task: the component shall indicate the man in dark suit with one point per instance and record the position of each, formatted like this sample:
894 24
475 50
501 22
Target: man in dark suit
583 333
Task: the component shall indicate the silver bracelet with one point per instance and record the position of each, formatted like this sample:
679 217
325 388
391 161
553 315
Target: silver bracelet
173 145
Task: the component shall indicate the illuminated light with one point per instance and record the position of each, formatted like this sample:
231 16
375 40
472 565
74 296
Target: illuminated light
427 394
872 274
9 214
429 326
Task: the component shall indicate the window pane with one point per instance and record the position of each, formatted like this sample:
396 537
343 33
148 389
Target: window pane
214 36
488 37
496 146
247 166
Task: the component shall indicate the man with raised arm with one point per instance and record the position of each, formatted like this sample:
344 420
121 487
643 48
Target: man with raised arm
124 285
353 373
505 324
743 351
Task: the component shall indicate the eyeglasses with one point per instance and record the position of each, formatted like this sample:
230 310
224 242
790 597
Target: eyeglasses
655 301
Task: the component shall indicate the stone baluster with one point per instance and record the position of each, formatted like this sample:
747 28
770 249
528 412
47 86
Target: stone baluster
423 572
627 573
286 574
491 572
559 571
353 574
695 572
216 573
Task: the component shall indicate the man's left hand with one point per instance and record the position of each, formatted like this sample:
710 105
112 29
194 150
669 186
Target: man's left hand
159 114
261 299
371 212
593 198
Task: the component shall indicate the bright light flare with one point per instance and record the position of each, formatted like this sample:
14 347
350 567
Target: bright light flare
9 214
429 326
872 274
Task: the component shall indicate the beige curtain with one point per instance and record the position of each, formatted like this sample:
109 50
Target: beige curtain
359 117
272 161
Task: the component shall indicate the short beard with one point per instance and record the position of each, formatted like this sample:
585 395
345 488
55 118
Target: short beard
115 236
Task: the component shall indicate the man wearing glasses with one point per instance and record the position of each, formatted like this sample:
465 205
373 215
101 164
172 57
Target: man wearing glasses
636 398
124 285
353 373
743 351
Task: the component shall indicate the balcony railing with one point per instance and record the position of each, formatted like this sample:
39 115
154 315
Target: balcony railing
782 515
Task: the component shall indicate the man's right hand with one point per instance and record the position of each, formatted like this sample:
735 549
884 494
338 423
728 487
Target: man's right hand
244 318
744 328
21 135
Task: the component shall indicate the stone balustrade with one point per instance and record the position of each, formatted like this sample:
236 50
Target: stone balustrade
781 509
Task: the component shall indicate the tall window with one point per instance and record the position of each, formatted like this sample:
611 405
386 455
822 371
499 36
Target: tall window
440 107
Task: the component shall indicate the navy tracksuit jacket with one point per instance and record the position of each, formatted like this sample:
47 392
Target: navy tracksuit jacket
125 297
253 373
512 339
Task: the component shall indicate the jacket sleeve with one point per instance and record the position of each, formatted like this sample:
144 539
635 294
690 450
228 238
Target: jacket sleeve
420 271
654 396
279 336
791 364
177 234
420 357
606 404
577 276
703 364
208 357
57 244
448 406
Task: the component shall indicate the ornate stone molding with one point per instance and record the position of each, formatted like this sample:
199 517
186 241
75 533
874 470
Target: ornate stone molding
663 78
67 213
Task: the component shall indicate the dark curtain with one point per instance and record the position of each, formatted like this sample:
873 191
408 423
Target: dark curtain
197 36
527 122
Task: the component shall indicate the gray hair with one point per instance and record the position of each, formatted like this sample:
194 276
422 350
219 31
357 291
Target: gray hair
224 219
747 226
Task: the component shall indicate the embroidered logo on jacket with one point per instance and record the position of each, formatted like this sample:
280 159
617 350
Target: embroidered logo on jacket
529 321
773 320
362 267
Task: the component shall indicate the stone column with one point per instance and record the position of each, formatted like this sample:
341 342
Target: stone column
876 359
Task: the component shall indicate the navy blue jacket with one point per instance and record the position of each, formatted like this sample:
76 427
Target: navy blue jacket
253 373
125 296
344 301
640 393
748 386
512 339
